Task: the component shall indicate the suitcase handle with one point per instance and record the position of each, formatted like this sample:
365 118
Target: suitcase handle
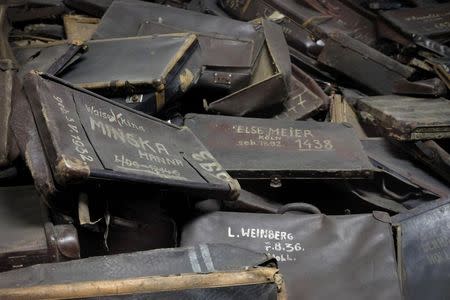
299 207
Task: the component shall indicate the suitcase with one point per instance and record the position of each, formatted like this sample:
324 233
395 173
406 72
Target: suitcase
288 14
407 118
392 160
433 87
239 59
320 256
270 82
432 22
200 272
114 67
246 147
423 249
27 235
352 58
88 138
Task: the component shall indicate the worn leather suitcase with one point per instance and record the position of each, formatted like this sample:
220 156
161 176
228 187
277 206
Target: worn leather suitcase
246 147
222 73
321 257
352 58
200 272
270 83
431 21
301 18
114 67
289 14
87 137
238 58
27 235
407 118
423 247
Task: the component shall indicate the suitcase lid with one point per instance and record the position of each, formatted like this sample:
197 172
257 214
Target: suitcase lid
88 137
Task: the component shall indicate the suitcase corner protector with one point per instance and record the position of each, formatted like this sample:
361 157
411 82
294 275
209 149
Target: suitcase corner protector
69 169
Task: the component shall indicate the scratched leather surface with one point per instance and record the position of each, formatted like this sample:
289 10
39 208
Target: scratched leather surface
321 257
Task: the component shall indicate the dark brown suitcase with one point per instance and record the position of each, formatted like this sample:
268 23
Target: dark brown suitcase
266 148
270 82
433 22
27 236
352 58
88 138
407 118
114 67
242 59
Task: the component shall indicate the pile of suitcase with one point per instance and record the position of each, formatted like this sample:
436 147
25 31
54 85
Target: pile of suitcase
225 149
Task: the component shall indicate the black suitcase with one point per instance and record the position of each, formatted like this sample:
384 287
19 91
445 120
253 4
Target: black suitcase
87 137
321 257
27 236
201 272
423 247
250 148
